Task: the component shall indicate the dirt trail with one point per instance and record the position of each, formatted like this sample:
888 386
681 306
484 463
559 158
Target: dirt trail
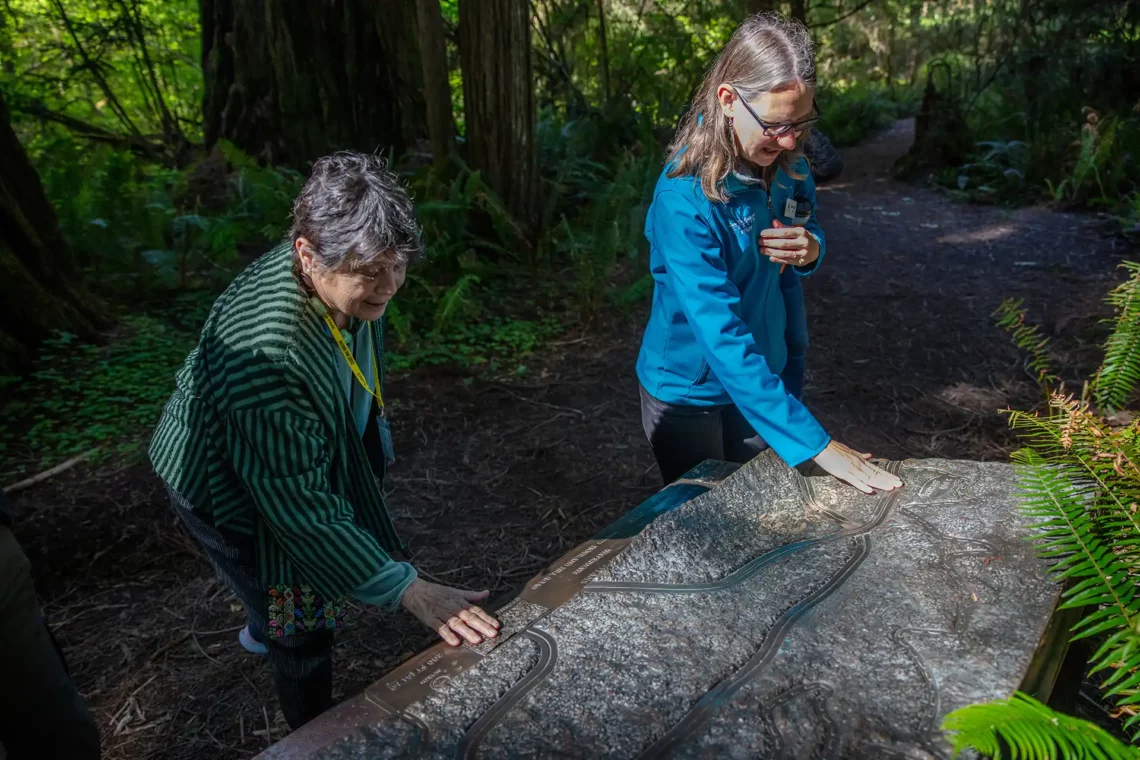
493 480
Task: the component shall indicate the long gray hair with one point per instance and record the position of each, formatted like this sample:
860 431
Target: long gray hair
767 53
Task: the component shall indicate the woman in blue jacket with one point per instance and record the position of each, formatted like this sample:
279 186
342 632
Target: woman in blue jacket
734 207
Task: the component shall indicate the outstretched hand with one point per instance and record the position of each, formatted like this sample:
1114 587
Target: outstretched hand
450 612
853 467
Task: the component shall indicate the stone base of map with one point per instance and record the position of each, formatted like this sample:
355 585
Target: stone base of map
772 616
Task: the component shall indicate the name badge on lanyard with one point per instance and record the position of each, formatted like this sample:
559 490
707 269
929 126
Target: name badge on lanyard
797 211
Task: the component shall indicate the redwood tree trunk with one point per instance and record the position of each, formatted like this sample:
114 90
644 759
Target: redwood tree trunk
288 81
40 291
604 62
437 88
799 11
498 100
759 6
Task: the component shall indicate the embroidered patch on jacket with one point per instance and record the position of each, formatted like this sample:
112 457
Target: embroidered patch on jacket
742 225
299 609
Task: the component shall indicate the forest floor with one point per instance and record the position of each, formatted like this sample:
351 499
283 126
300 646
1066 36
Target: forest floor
495 479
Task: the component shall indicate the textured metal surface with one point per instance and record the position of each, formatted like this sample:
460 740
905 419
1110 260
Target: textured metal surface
772 616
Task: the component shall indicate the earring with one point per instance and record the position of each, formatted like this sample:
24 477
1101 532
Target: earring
730 123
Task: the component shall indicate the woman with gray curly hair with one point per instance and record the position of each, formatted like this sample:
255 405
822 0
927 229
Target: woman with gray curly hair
274 445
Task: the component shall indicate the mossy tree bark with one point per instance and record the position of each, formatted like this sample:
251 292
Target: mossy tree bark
437 87
498 101
288 81
40 291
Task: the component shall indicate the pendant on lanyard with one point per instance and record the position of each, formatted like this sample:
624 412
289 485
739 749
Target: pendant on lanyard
346 352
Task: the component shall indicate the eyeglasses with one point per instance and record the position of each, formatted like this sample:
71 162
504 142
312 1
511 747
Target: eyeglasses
776 130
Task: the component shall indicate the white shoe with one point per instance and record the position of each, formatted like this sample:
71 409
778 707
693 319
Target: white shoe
250 644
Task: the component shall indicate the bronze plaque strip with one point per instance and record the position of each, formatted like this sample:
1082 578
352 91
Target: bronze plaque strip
413 680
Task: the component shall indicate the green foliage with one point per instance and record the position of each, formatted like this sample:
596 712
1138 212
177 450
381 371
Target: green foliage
857 111
136 225
1080 484
494 344
997 174
608 230
1027 337
80 396
128 67
657 54
1076 482
1030 731
1041 99
637 292
1115 384
455 302
153 220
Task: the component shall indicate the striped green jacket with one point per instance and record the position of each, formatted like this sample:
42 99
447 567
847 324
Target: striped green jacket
258 436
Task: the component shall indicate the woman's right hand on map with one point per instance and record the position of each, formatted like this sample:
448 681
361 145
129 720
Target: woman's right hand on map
450 612
852 467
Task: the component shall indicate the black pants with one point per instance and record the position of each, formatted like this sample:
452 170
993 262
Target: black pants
684 436
41 713
301 662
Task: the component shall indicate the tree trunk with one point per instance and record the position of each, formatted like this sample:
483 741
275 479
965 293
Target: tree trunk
437 88
41 290
799 11
288 81
759 6
605 53
498 100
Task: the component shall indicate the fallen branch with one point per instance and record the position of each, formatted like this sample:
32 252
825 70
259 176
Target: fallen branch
135 143
48 474
578 412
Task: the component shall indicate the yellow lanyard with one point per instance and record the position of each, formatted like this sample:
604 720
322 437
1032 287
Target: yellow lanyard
346 352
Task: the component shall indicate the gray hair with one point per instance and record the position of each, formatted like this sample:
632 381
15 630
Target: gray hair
352 210
767 53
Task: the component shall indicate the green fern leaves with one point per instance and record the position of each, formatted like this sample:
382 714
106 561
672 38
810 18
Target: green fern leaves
1011 318
1119 375
1030 731
1080 483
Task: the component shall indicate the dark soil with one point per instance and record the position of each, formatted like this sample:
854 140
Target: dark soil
497 478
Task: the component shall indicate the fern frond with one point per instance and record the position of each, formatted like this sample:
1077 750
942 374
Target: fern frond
1031 731
1103 465
1069 536
1079 482
1118 376
1071 539
1011 318
454 301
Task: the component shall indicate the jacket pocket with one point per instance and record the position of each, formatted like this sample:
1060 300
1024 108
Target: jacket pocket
702 374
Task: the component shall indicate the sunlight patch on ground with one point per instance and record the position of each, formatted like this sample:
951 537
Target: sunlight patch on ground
973 398
983 235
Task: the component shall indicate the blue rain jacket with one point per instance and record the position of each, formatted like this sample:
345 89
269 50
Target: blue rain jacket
716 333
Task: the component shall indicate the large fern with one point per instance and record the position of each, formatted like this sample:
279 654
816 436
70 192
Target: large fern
1080 481
1030 731
1080 484
1117 379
